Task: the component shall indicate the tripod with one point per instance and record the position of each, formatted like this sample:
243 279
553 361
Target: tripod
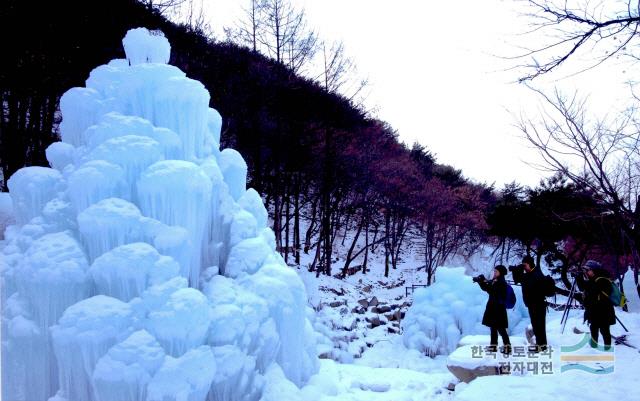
567 307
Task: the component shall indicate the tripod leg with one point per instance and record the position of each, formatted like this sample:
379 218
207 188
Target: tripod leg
567 308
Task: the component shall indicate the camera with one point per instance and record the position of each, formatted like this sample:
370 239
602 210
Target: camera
479 278
517 271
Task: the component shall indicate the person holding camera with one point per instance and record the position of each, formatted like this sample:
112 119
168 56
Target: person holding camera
533 295
598 308
495 314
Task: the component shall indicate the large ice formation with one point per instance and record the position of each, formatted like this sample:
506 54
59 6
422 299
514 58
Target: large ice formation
448 310
140 267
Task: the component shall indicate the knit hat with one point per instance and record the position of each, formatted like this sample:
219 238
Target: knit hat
502 270
528 259
592 265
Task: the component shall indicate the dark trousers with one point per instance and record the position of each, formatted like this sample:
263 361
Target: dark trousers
538 314
606 334
503 334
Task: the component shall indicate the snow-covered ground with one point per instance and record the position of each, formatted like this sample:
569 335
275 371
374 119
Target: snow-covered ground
377 365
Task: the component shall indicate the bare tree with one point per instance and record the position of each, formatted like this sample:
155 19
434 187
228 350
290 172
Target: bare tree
249 27
339 73
603 29
602 155
195 19
285 36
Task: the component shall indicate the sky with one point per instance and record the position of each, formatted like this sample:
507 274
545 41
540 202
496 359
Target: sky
436 76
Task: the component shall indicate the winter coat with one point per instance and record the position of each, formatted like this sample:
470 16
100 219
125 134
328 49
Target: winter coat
533 288
598 308
495 313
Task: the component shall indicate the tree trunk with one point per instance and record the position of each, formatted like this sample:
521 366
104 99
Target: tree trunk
345 269
386 244
312 224
286 229
296 225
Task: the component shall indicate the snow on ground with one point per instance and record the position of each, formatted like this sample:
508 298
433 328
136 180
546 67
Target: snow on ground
573 384
400 373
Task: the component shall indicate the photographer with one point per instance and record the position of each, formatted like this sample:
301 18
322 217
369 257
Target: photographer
598 308
495 314
533 296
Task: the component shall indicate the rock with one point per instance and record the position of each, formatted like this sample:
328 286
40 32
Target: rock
393 330
393 317
336 304
451 386
467 375
326 355
382 309
374 302
366 288
469 362
364 303
359 310
374 321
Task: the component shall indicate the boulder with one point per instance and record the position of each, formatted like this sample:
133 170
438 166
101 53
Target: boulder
358 309
374 302
468 362
364 303
374 322
381 309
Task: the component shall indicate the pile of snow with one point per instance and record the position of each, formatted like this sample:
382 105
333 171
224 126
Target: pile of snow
448 310
139 267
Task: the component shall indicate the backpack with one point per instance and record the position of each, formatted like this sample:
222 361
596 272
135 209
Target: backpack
510 298
616 296
548 286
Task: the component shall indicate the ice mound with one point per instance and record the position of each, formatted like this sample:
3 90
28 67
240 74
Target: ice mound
109 223
143 46
60 155
186 378
140 267
84 333
124 372
94 181
126 271
31 188
448 310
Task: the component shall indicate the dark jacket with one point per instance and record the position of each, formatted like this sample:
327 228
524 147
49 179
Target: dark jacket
495 314
598 308
533 288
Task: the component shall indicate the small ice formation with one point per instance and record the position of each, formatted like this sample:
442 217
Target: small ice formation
139 267
448 310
